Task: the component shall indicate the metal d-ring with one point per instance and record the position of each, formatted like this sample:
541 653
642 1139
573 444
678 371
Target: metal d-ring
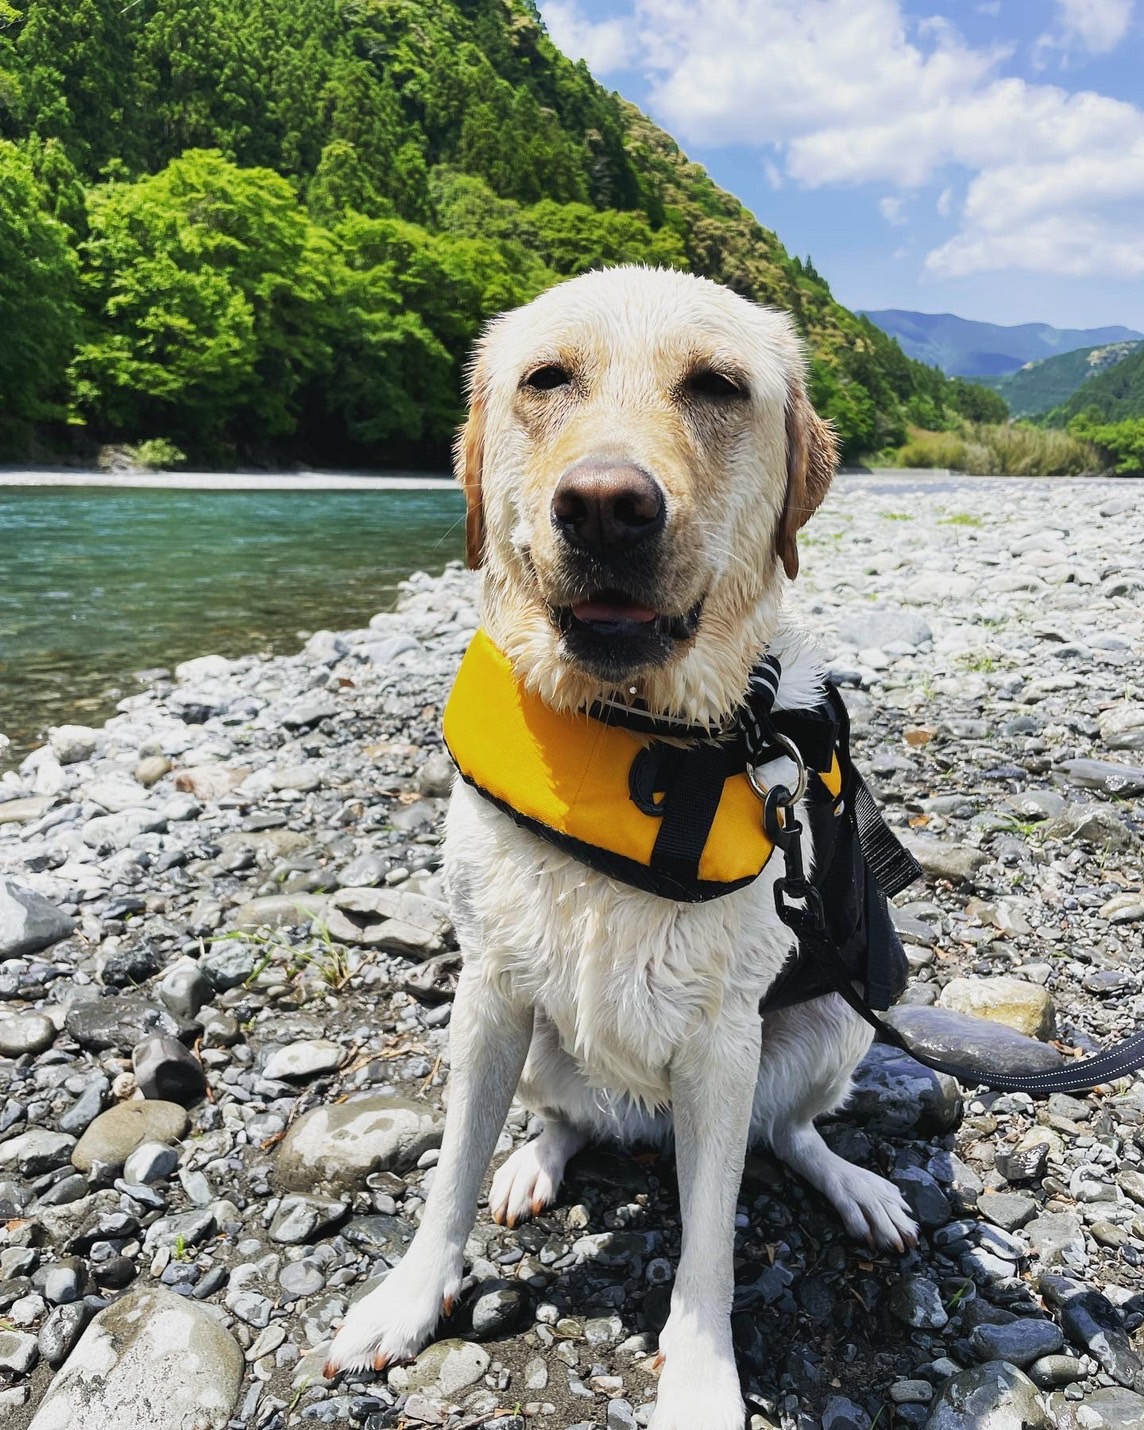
800 765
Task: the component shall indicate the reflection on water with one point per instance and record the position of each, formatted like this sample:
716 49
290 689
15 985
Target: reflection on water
98 584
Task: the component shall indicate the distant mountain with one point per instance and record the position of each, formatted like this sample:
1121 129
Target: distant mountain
1040 386
963 348
1116 394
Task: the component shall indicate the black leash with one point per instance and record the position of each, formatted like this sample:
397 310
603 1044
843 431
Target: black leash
808 924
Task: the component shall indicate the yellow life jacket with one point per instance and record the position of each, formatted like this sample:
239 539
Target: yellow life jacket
683 823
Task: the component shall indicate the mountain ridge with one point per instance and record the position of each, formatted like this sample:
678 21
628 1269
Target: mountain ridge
965 347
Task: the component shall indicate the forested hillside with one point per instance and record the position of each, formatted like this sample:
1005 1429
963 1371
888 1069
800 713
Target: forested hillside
1040 386
270 229
1113 395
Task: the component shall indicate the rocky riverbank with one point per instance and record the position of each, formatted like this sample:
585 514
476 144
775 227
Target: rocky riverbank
225 989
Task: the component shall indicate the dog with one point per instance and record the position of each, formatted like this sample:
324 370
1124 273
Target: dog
639 456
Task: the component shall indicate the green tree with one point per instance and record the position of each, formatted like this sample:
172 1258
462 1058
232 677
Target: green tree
38 311
72 63
206 283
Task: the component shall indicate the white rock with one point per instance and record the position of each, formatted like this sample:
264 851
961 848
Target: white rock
72 743
150 1361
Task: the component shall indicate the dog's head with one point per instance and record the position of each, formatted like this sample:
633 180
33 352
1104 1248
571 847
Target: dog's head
639 456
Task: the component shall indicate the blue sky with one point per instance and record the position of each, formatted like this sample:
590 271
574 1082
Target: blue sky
984 158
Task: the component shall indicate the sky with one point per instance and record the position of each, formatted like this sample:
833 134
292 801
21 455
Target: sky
984 157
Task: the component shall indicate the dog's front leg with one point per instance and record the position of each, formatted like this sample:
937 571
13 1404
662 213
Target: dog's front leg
489 1041
712 1085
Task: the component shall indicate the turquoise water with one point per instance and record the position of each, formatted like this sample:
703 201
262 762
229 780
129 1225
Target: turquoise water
97 584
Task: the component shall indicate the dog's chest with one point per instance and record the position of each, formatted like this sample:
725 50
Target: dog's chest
624 976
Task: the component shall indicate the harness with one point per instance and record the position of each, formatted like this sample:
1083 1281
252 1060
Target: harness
674 810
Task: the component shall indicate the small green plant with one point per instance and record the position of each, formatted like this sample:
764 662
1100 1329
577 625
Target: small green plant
961 518
156 454
180 1249
958 1296
897 516
982 662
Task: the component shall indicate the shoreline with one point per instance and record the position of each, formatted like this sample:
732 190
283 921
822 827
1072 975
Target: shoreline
15 478
226 481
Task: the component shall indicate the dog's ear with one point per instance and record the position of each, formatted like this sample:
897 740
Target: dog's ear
812 455
468 461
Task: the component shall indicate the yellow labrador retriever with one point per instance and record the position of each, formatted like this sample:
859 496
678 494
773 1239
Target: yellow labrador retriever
639 457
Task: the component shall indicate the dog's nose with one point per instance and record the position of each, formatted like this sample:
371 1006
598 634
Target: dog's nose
604 508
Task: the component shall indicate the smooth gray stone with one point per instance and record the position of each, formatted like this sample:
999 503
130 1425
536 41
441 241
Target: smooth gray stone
1108 1408
993 1396
309 1057
150 1361
36 1151
300 1278
121 1022
339 1145
894 1094
300 1218
26 1033
228 963
150 1162
915 1301
956 862
1054 1370
977 1042
167 1071
1091 1321
1105 776
310 710
498 1307
87 1106
1020 1343
116 1133
62 1328
28 921
1008 1210
18 1352
185 988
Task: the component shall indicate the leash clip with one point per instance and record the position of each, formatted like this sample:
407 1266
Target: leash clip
785 832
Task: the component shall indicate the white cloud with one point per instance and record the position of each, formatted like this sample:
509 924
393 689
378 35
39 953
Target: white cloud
607 45
1098 25
855 91
945 202
891 210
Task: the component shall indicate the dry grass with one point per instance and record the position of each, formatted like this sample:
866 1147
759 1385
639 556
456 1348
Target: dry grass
1004 450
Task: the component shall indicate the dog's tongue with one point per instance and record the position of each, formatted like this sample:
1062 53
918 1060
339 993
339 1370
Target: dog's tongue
612 608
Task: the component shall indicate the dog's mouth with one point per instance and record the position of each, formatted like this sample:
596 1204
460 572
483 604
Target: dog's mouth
611 634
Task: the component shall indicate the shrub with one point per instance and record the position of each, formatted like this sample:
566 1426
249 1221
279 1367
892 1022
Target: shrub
1121 444
157 455
1010 449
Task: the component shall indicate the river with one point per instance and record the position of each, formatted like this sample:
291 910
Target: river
98 584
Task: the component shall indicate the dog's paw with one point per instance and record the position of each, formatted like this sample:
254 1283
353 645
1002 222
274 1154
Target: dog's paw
394 1321
527 1181
698 1397
873 1210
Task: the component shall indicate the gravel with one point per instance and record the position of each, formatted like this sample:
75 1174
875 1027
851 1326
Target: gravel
231 896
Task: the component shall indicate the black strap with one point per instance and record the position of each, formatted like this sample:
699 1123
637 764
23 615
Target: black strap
688 811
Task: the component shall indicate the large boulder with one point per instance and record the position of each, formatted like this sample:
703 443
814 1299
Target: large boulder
150 1361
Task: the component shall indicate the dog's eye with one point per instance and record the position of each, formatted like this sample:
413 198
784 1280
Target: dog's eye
707 382
544 379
